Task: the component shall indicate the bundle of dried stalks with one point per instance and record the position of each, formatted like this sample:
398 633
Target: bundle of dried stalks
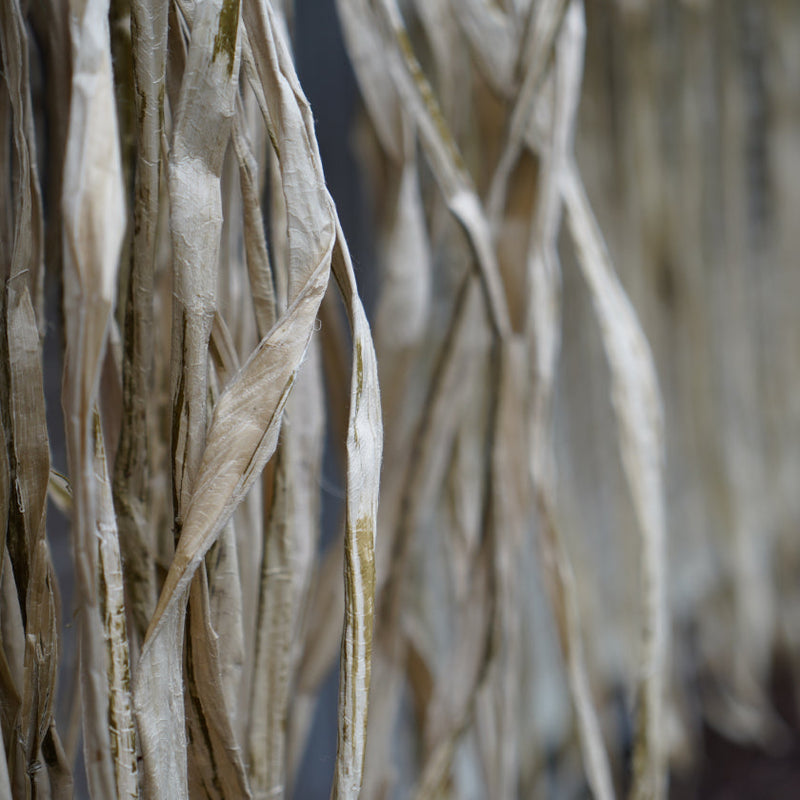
153 206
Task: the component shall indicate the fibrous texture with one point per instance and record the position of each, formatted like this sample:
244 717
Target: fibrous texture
549 554
163 227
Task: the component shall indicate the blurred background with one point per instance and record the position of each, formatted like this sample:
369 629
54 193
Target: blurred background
688 140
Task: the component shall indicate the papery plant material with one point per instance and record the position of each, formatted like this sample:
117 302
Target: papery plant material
195 166
5 783
290 543
543 324
112 612
28 243
635 394
131 477
544 23
30 605
259 270
494 37
364 449
94 225
364 443
196 219
245 424
273 646
445 159
507 633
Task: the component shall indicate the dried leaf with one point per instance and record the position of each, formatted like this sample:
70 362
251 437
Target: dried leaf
94 224
544 324
30 638
637 405
131 467
111 603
